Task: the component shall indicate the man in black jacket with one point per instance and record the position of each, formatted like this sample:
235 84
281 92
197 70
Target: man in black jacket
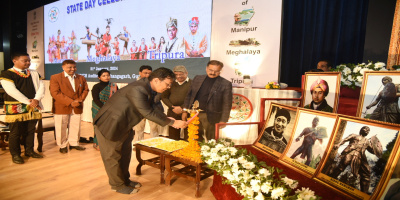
113 124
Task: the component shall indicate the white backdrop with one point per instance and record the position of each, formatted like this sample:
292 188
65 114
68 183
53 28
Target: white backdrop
259 60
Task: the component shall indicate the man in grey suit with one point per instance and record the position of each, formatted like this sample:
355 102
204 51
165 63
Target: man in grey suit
214 94
113 124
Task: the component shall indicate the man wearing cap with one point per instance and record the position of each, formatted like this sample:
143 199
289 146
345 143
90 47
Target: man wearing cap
175 97
319 90
173 45
273 135
195 42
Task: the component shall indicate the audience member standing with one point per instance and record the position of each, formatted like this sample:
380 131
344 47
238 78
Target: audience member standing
68 90
101 92
144 72
214 94
24 90
174 98
113 125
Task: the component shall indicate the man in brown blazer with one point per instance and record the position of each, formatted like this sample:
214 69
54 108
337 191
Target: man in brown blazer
68 90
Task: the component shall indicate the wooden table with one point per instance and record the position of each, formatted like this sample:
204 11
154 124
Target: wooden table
156 162
193 171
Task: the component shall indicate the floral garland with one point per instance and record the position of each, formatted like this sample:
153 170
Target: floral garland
250 178
192 151
28 73
353 74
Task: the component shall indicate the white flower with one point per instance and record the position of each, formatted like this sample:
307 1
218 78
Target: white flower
379 65
249 165
266 187
350 78
346 71
356 69
228 175
233 150
205 148
212 141
214 150
264 172
288 181
398 69
247 175
209 161
363 70
294 185
346 82
360 78
249 192
259 196
219 146
383 69
305 194
235 167
277 192
242 160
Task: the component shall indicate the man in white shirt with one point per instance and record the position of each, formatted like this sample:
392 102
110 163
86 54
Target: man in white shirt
24 90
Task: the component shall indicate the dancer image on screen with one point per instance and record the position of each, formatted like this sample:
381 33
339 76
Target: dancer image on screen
116 46
101 92
98 46
134 51
161 45
88 36
195 42
74 48
58 45
153 47
310 135
354 155
387 109
64 49
49 50
173 45
143 50
127 35
273 135
319 90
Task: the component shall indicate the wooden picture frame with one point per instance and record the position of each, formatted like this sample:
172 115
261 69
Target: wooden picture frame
267 141
311 137
378 101
360 165
326 82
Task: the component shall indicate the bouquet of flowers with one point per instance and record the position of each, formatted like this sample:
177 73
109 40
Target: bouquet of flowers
250 178
272 85
353 74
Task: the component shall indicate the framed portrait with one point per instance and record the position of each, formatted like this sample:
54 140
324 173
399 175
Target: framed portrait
361 157
312 134
391 190
277 129
321 91
379 96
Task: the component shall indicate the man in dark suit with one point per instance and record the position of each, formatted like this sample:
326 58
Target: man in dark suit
214 94
115 120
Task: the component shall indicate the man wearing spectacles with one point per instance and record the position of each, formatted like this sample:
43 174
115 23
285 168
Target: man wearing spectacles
214 94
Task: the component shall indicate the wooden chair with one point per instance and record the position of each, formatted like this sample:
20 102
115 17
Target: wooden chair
45 124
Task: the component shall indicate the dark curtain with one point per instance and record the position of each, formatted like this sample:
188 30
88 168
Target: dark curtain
313 30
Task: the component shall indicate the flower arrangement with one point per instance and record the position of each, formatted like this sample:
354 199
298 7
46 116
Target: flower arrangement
250 178
272 85
191 151
353 74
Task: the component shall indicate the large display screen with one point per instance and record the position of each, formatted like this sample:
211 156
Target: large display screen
122 35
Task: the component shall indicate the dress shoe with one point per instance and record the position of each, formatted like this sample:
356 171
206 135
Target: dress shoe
79 148
17 159
64 150
33 154
134 184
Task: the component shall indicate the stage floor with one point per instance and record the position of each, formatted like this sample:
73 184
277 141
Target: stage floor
81 175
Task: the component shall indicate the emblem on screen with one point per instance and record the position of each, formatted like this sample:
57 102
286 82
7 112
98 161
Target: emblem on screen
53 14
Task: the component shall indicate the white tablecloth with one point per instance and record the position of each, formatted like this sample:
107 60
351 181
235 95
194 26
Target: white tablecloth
239 134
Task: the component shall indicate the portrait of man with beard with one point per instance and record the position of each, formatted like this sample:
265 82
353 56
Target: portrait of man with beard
273 135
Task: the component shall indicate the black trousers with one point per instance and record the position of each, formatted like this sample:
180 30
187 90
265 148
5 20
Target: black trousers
206 129
116 157
26 130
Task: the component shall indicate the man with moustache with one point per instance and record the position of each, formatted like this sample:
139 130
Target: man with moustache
319 90
273 135
214 95
195 42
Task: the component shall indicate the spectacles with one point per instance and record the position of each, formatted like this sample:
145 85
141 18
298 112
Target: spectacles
168 85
